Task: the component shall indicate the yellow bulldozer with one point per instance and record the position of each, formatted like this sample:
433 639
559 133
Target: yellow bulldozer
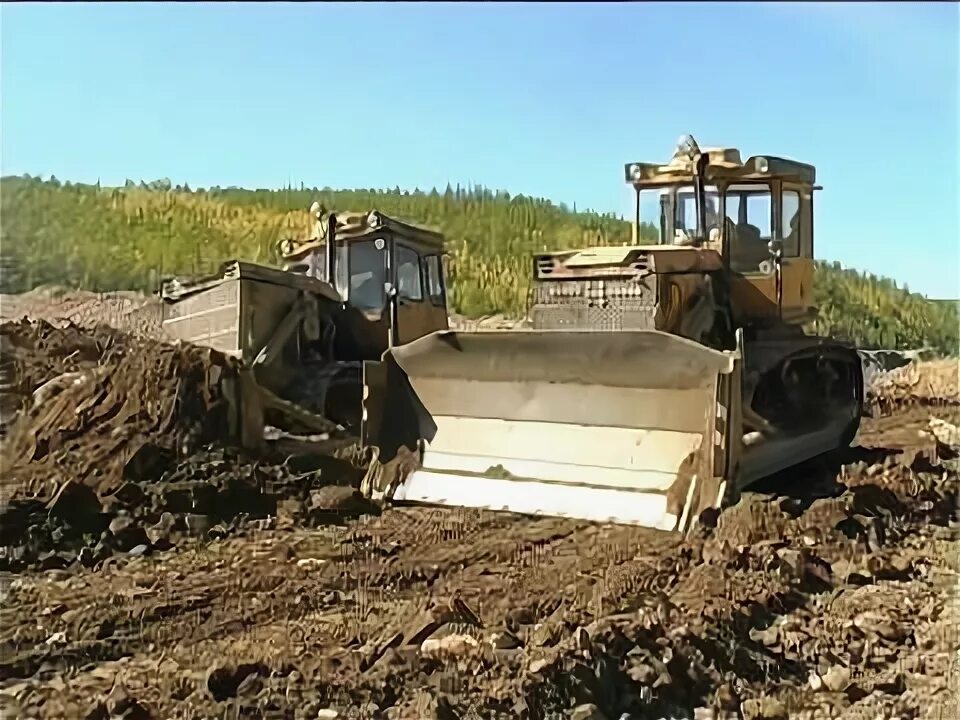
307 334
657 379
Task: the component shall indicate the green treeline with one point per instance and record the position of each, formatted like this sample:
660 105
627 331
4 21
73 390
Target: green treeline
128 238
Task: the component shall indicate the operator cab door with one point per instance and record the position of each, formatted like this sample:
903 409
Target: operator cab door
755 214
420 298
362 270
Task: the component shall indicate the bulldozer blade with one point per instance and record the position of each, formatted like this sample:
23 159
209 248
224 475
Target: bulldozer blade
625 427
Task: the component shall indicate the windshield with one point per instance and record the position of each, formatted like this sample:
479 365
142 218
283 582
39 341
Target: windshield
652 223
686 215
367 276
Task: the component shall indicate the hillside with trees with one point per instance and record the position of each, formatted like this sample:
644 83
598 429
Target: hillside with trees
101 239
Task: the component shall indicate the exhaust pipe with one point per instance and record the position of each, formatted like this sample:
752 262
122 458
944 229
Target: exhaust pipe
330 254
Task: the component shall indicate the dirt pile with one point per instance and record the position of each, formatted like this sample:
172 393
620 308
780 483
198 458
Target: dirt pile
918 384
130 311
115 449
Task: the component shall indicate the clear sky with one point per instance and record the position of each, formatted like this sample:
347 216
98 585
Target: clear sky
546 100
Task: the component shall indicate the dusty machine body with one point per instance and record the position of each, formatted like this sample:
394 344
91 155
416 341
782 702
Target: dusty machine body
305 334
657 379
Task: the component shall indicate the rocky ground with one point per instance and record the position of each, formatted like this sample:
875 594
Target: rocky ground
149 573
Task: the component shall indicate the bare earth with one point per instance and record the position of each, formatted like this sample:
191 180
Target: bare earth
150 573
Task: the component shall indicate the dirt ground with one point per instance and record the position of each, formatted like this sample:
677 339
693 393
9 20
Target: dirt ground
148 573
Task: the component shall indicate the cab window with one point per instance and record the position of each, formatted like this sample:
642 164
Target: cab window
409 285
790 223
434 279
749 210
367 276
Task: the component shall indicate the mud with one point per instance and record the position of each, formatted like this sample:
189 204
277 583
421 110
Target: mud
150 573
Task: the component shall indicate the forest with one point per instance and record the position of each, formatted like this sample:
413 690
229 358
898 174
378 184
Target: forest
58 233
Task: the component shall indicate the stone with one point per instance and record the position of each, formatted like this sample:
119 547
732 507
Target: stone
837 678
55 560
764 708
546 634
197 525
139 550
159 534
453 644
505 640
587 711
77 506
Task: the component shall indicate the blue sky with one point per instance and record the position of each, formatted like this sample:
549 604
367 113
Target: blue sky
547 100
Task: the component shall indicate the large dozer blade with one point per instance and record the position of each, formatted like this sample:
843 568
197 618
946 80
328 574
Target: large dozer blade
626 427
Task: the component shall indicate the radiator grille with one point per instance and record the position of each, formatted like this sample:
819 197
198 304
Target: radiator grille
618 304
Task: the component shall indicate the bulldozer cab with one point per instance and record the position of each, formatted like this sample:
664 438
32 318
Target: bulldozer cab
758 215
389 274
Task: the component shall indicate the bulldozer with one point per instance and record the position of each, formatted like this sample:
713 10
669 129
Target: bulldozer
657 381
306 336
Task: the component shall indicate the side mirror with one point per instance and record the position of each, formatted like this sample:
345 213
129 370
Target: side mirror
775 247
389 289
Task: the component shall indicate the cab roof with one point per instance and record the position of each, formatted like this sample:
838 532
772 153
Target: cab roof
362 225
724 164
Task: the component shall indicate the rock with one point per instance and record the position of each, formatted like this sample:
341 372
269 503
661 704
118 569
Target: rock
241 497
768 637
58 638
875 623
129 495
98 712
642 674
159 534
815 682
947 434
126 534
149 463
197 525
453 644
17 516
335 503
726 697
837 678
311 563
546 634
105 629
764 708
505 640
518 617
139 550
121 523
250 685
327 714
224 681
77 506
102 551
537 665
55 560
587 711
86 557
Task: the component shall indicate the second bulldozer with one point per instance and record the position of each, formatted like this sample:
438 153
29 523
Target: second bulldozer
658 379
